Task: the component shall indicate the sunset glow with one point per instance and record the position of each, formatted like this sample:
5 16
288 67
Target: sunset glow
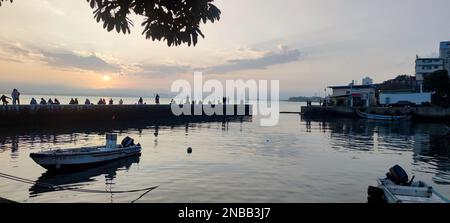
106 77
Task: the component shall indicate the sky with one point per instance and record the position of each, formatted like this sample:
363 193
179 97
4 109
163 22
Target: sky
56 46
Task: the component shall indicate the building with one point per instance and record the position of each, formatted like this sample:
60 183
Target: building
388 98
426 66
444 53
354 95
367 81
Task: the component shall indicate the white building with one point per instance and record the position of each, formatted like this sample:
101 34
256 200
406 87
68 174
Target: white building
426 66
367 81
444 53
354 95
387 98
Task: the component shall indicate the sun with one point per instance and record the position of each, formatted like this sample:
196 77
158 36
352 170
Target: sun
106 77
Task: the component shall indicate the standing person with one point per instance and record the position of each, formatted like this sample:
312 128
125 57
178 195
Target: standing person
157 99
111 102
33 101
121 102
43 102
76 101
18 97
141 101
224 100
50 102
4 99
14 96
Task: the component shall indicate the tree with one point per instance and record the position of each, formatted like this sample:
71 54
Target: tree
438 82
400 83
174 21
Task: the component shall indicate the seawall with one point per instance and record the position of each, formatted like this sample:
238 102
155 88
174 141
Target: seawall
13 115
420 113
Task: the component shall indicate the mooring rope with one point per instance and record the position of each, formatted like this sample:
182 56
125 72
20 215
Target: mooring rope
57 187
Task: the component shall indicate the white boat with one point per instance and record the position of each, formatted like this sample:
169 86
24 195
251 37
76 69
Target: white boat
58 159
395 188
417 192
382 117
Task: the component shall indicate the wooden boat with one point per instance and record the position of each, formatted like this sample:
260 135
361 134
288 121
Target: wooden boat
396 188
60 159
383 117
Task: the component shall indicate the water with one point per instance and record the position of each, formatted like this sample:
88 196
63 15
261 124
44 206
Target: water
299 160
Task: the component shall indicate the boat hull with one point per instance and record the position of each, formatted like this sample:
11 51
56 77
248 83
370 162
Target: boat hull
418 192
382 117
76 161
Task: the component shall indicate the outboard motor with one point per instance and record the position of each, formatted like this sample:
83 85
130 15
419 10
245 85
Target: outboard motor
398 175
127 142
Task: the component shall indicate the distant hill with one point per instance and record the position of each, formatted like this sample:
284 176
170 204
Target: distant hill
304 99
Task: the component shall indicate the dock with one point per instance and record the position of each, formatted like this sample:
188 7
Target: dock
16 115
430 113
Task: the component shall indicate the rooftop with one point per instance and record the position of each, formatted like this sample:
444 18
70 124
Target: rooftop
445 45
434 58
354 86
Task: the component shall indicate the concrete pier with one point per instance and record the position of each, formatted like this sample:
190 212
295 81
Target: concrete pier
6 201
13 115
419 113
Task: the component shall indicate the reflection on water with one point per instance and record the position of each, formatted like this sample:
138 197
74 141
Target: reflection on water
81 178
299 160
428 141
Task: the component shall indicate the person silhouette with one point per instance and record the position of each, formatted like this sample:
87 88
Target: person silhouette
4 100
157 99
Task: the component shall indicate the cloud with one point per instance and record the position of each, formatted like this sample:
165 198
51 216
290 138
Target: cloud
17 49
162 69
244 59
3 58
13 52
282 56
72 60
60 58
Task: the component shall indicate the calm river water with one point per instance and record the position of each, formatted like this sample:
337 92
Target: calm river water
299 160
